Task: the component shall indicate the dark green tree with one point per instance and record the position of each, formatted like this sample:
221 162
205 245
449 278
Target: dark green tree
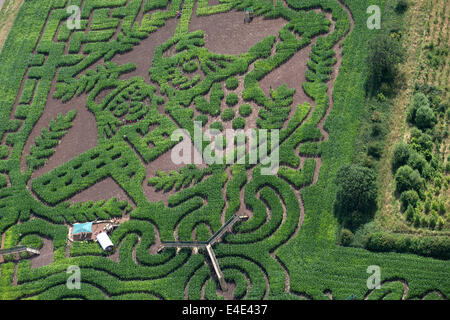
385 53
356 195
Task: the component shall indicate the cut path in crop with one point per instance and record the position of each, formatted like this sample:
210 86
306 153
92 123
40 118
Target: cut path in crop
226 33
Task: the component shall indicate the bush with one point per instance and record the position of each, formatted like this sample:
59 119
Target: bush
245 110
431 246
232 99
190 66
425 117
202 118
384 55
375 149
346 237
217 125
410 212
409 198
408 179
227 114
419 100
238 123
402 6
356 195
401 155
232 83
417 161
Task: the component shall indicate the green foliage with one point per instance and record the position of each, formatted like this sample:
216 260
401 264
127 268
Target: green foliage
409 198
232 83
217 125
429 246
232 99
245 110
401 155
177 180
247 255
356 195
425 117
384 55
45 144
408 179
238 123
402 6
227 114
347 237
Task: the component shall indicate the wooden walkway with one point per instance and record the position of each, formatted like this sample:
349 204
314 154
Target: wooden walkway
19 249
227 227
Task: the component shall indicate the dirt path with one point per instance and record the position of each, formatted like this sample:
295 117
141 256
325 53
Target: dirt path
45 257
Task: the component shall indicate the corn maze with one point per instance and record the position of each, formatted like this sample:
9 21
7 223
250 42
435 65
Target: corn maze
285 250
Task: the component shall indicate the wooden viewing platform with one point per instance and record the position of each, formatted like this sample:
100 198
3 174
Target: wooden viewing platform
227 227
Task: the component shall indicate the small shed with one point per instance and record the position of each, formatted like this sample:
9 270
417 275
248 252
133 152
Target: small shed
105 241
82 231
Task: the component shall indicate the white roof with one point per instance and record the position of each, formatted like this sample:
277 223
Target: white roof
104 240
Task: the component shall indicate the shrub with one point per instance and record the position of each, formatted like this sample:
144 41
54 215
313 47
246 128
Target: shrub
245 110
402 6
419 100
346 237
232 99
232 83
356 195
409 198
202 118
410 212
408 179
238 123
375 149
227 114
417 161
401 155
425 117
431 246
217 125
384 55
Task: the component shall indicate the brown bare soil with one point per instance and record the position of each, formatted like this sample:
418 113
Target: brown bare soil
142 55
293 73
80 138
45 257
104 189
226 33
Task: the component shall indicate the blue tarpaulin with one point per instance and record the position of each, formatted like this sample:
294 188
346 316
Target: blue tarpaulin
82 227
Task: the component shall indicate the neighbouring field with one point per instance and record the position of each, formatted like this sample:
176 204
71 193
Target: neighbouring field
86 120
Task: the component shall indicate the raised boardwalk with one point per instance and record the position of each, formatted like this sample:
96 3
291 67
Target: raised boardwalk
227 227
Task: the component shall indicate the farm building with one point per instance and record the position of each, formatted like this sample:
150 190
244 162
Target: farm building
82 231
